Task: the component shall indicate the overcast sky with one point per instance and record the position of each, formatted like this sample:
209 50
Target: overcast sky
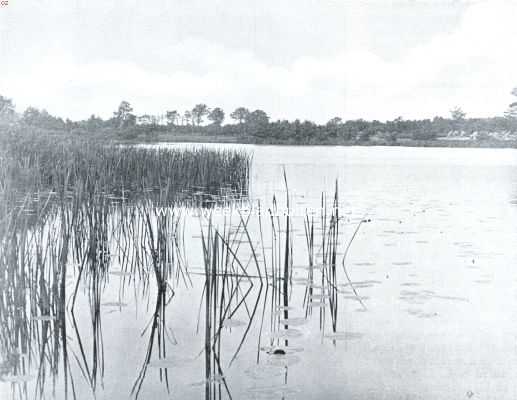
307 59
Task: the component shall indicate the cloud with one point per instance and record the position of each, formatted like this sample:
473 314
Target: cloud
472 66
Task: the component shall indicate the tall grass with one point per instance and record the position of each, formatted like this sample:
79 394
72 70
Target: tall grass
161 242
64 214
36 165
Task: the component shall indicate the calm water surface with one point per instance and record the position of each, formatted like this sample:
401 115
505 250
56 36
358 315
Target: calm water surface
435 269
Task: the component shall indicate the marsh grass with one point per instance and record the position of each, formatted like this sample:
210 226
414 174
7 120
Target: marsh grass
64 213
161 232
33 165
66 222
33 302
224 296
323 259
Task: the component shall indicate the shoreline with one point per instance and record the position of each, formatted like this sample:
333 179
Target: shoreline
117 137
214 139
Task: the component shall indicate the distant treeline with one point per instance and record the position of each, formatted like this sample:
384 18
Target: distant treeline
256 126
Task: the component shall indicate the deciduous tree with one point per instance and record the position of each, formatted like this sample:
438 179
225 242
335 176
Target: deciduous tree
240 114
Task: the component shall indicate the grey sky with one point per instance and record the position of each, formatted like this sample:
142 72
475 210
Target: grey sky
307 59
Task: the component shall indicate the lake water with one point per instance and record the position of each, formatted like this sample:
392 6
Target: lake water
435 269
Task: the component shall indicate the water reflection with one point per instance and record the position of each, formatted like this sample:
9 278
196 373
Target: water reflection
118 303
58 281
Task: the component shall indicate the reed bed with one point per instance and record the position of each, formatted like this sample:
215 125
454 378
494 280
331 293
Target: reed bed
160 241
49 166
248 285
45 268
65 220
66 226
